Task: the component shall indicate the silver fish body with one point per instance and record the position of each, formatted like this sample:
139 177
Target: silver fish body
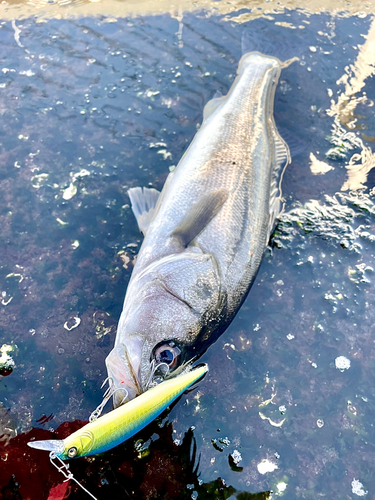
206 233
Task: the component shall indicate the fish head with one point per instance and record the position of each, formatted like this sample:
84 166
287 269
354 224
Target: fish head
169 318
135 365
154 342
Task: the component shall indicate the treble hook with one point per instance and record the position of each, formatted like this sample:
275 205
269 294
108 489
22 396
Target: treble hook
106 397
154 368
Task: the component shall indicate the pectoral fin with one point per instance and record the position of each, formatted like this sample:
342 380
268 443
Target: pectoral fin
199 216
143 202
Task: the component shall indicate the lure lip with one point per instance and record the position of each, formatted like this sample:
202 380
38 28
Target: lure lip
54 445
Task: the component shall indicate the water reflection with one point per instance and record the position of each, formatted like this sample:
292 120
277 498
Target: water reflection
345 117
157 468
233 10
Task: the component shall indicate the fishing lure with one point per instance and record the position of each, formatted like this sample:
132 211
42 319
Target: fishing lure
122 423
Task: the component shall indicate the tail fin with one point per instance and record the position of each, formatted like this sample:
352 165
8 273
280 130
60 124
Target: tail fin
288 45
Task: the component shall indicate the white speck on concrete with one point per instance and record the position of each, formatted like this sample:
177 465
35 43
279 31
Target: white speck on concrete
281 487
6 360
342 363
236 456
72 323
358 489
266 466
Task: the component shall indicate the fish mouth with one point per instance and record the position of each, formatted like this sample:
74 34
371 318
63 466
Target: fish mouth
124 370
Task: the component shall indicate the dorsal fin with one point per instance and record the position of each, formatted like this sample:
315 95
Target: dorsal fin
281 158
143 202
200 214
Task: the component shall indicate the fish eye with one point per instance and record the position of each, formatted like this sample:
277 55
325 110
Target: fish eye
167 353
72 452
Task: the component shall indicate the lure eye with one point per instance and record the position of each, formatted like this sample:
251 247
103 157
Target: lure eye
72 452
168 354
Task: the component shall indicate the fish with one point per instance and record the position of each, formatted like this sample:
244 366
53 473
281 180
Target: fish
204 235
123 422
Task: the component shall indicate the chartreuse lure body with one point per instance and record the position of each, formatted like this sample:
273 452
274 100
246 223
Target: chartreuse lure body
122 423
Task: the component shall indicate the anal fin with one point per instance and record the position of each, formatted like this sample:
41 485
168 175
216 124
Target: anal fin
143 201
199 216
